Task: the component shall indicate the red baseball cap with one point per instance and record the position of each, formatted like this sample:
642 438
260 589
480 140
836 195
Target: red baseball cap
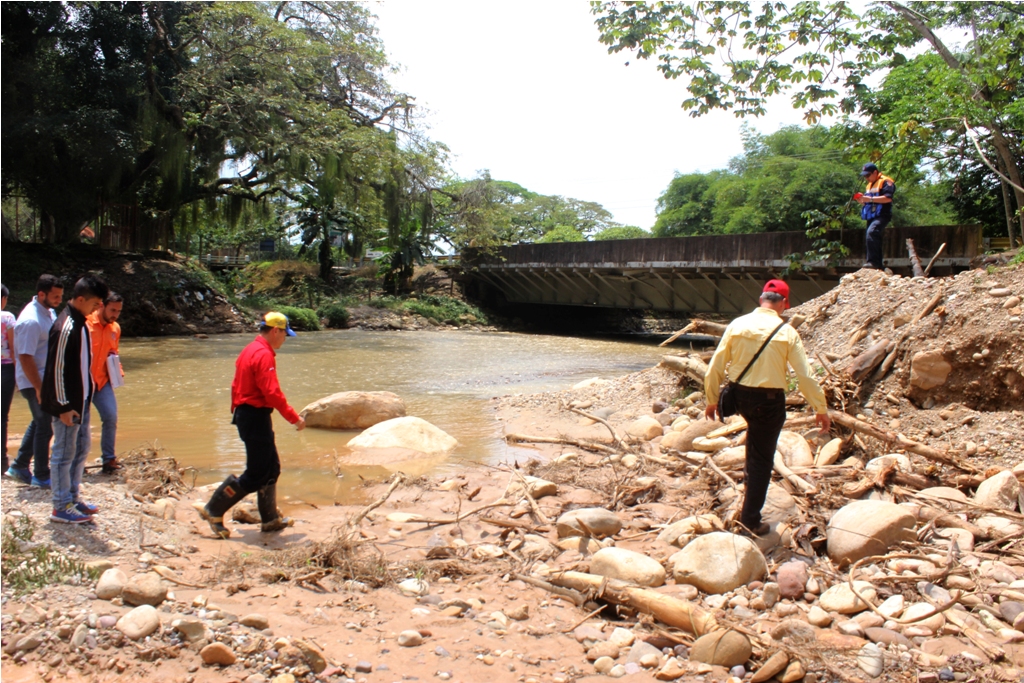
779 287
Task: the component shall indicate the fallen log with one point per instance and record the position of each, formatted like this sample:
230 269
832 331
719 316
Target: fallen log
666 609
886 436
867 361
697 327
915 262
787 474
930 306
928 268
694 368
588 445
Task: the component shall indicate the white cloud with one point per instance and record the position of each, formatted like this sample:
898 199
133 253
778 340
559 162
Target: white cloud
526 90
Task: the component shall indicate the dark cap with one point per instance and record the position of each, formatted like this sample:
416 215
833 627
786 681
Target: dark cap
778 287
868 169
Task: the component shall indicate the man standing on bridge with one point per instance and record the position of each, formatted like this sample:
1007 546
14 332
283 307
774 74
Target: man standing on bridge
876 209
761 397
255 393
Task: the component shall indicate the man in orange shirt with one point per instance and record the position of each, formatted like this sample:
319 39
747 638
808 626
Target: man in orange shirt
255 394
106 335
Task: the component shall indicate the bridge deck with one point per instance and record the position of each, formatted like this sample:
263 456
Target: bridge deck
704 274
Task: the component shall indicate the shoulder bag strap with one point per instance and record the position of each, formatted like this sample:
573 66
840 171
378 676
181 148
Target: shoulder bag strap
754 359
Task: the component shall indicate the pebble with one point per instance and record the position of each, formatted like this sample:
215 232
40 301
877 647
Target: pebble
819 617
604 664
410 638
870 660
256 621
218 653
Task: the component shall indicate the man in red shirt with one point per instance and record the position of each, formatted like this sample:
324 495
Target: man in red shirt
255 393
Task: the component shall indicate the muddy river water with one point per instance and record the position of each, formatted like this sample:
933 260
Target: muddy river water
177 395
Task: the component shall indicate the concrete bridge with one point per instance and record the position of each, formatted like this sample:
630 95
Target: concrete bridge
720 274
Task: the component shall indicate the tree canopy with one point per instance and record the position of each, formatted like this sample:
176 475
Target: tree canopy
735 55
775 181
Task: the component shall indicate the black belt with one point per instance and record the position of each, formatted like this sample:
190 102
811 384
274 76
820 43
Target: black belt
764 391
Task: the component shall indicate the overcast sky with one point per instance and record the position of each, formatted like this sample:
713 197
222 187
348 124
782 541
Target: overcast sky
526 90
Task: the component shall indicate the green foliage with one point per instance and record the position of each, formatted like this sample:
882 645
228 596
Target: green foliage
440 308
822 249
562 233
444 309
735 56
768 188
29 566
624 232
304 319
484 213
336 315
1018 259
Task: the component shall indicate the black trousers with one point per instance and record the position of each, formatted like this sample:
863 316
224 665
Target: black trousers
765 413
262 464
873 241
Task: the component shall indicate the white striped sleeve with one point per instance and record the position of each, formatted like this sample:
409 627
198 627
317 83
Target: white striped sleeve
58 371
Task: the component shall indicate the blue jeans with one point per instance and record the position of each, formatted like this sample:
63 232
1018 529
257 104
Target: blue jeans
70 448
873 239
35 445
7 389
106 406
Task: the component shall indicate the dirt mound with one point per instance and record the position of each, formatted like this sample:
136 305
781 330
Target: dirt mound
163 294
956 339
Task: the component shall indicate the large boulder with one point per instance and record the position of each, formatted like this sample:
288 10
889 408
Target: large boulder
411 433
999 491
718 562
867 527
353 410
627 565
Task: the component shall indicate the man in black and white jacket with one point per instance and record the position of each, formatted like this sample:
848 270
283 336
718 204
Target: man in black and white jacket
67 390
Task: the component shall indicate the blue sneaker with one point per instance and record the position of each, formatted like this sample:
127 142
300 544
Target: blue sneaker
40 483
87 508
24 476
70 515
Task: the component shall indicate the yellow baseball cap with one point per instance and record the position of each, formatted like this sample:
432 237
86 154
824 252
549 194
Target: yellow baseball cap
279 320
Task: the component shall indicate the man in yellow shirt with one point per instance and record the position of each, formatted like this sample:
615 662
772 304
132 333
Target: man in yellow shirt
761 396
105 333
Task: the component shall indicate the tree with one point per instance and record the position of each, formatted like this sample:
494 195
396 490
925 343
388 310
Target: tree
622 232
562 233
82 104
735 55
167 104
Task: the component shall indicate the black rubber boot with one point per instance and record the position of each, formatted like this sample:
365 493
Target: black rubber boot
226 495
270 516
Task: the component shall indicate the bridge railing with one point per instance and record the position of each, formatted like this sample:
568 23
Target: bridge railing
963 241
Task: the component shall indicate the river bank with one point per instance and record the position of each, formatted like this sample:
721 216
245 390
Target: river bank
464 576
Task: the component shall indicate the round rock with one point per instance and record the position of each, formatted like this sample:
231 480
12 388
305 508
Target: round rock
718 562
841 599
867 527
598 521
627 565
140 622
722 648
111 583
217 653
144 589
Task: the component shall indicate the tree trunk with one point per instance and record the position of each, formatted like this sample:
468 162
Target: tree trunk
1009 163
1008 208
325 257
